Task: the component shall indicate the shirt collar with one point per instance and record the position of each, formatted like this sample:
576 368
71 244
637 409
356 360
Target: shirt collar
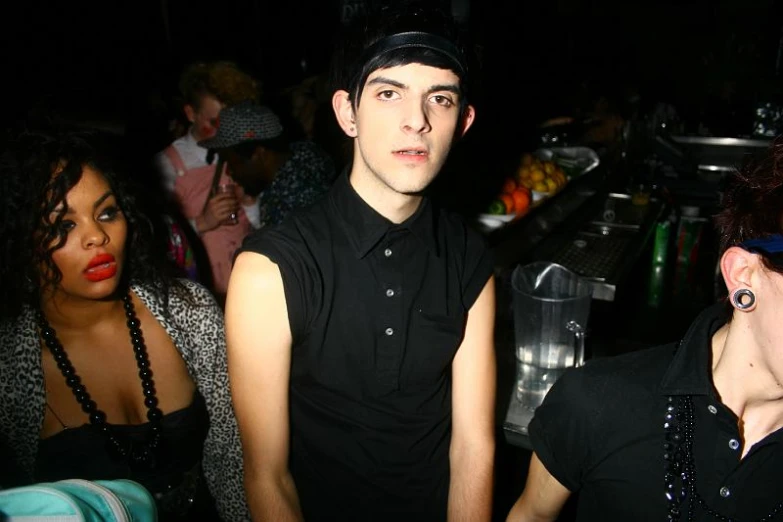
365 227
690 372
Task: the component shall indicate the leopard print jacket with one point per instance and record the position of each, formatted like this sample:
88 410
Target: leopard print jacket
195 324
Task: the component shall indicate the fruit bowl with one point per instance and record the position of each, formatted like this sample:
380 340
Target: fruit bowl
575 161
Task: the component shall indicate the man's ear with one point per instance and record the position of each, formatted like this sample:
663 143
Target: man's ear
738 266
343 110
467 118
190 112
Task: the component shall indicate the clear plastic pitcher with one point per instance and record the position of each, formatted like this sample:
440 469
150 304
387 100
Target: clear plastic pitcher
551 307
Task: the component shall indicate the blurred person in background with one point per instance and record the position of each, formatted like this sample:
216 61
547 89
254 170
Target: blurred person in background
282 175
187 170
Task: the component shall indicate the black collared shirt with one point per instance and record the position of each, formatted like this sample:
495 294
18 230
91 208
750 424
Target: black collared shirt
377 312
600 431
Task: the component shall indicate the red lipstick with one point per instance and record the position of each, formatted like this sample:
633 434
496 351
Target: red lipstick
101 267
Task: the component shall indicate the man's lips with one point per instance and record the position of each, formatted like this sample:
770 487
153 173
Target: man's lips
412 153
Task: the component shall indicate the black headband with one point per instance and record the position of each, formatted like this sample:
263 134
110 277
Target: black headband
415 39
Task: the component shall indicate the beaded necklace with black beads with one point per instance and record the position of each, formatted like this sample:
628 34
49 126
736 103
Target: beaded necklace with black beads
143 456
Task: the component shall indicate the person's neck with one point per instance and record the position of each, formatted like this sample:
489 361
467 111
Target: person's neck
193 132
64 313
745 381
392 205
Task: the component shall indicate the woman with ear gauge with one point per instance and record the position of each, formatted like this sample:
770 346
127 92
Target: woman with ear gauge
108 367
691 430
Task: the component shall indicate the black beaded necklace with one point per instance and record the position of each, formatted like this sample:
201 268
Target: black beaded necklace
138 456
680 471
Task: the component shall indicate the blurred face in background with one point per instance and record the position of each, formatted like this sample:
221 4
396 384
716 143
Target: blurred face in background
204 118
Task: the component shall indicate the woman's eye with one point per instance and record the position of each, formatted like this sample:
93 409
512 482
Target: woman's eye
66 225
109 214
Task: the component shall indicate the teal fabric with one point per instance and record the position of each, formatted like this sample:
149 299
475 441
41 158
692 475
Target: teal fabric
78 501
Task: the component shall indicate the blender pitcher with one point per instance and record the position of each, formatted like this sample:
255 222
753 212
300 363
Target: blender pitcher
551 307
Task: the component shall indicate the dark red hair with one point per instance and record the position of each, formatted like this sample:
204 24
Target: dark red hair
752 204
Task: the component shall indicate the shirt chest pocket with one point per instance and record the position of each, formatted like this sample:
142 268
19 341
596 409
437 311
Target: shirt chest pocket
433 340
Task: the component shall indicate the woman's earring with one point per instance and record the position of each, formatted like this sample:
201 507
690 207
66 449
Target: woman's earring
743 299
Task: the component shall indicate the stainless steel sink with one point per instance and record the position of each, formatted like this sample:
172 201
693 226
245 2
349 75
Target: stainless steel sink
601 250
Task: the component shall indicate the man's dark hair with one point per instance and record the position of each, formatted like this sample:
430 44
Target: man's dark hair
354 60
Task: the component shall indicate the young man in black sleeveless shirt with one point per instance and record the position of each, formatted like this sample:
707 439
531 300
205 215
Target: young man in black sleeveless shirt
360 331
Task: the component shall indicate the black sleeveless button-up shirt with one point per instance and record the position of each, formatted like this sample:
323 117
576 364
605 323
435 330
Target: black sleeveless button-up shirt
377 312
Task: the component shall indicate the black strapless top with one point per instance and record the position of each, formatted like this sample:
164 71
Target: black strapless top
175 481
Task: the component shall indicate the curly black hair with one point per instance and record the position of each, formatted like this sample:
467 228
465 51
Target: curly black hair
29 194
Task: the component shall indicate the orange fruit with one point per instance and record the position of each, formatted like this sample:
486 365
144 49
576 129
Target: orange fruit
526 183
537 175
509 186
521 199
508 201
540 186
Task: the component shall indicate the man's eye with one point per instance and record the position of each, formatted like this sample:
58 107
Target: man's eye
443 100
387 95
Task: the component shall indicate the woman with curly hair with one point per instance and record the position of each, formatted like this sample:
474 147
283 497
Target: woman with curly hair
221 220
108 367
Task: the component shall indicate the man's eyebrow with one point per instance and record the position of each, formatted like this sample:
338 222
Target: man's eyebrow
449 87
388 81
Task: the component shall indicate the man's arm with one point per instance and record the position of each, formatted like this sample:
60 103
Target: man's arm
259 366
542 498
472 450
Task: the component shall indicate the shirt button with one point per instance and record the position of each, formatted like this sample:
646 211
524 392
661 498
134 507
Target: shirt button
734 444
712 409
725 492
387 252
389 331
389 293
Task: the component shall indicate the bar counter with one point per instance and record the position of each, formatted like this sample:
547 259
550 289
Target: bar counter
570 227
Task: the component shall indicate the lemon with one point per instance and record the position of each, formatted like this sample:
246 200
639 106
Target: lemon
540 186
551 184
537 175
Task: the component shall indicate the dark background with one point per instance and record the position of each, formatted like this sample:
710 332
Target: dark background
116 63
